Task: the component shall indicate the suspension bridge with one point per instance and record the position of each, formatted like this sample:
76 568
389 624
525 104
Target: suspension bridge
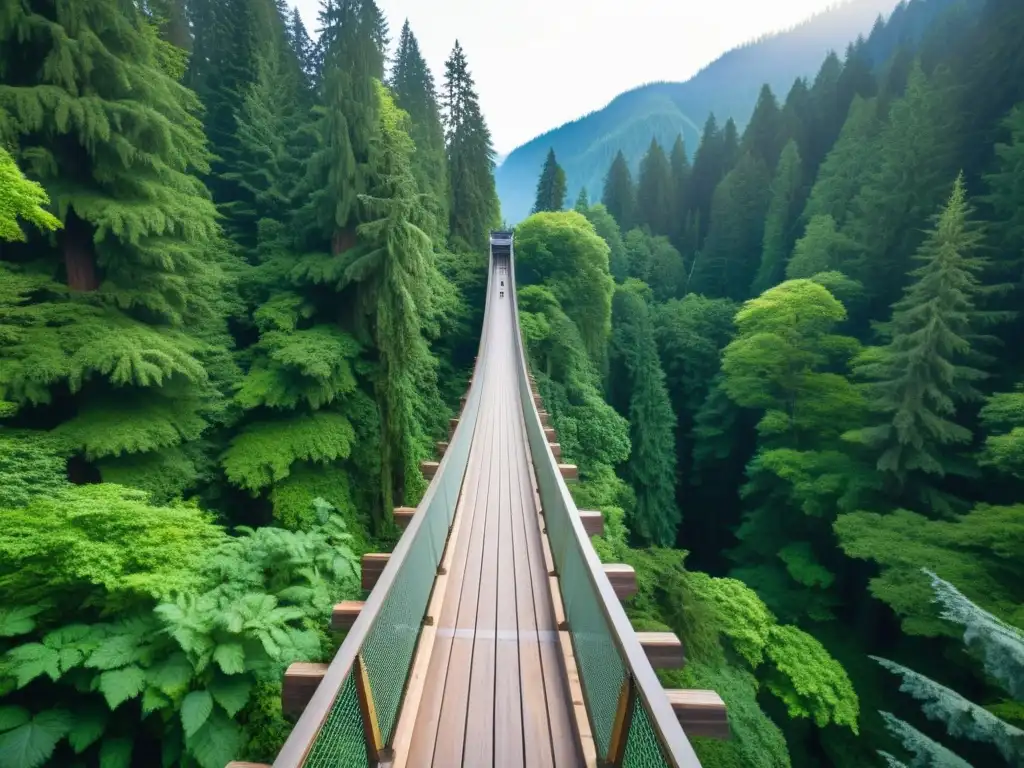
493 635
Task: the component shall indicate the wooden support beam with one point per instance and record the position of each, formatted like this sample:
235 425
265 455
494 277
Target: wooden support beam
545 418
452 424
556 450
300 683
403 516
664 650
345 614
462 401
701 713
569 471
429 468
442 447
622 577
549 435
593 522
373 565
537 400
368 710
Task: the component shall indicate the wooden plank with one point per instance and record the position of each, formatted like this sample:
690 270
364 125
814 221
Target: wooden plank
545 418
429 468
452 424
403 516
345 614
425 734
593 522
368 711
556 449
622 578
450 734
569 471
701 713
301 680
480 736
442 447
562 725
664 650
510 698
549 435
373 565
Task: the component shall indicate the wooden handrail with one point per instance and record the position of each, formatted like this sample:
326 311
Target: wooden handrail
649 692
307 728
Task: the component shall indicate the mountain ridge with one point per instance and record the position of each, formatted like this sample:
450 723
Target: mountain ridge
727 86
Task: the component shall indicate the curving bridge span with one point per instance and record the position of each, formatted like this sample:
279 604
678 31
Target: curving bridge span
492 635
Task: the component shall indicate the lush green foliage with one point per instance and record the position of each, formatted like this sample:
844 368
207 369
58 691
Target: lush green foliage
221 371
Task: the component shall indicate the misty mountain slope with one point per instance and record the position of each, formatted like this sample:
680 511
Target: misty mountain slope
728 87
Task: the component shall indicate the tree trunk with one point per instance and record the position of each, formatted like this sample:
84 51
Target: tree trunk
79 257
343 240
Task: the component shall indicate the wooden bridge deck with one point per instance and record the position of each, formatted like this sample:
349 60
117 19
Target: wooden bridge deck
495 691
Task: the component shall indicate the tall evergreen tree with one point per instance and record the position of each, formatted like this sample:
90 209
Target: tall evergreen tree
708 169
582 202
101 327
413 86
924 374
302 45
638 383
907 183
338 172
654 192
764 136
729 259
779 224
618 196
474 200
550 186
679 163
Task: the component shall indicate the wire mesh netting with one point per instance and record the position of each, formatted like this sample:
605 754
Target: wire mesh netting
643 749
340 740
389 646
601 666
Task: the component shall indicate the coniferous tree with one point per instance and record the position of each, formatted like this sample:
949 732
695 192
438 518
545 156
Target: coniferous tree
103 327
764 136
582 202
1001 646
679 163
654 191
474 201
729 259
779 224
912 170
796 120
413 86
302 46
618 196
639 391
708 169
230 36
339 171
920 378
550 186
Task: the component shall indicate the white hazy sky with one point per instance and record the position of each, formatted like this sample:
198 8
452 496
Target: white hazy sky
540 63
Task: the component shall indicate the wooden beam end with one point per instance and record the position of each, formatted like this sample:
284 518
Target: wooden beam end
301 680
701 713
593 522
622 578
373 565
345 614
664 649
